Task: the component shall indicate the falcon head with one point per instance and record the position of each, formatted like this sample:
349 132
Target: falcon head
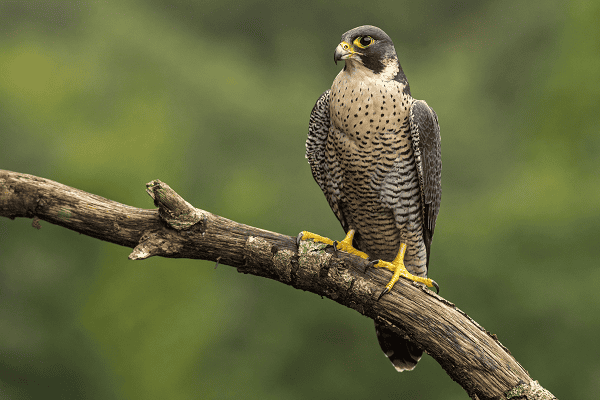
367 46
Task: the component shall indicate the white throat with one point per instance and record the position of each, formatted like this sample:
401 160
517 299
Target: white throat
356 70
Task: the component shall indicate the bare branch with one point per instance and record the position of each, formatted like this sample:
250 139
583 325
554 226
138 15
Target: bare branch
468 353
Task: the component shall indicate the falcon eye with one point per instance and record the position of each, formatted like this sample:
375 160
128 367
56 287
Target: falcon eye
364 41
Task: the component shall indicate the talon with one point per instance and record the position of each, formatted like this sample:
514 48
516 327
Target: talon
384 291
399 270
345 245
370 264
335 249
304 235
299 238
437 288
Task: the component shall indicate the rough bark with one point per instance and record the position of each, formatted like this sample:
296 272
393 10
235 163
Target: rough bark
470 355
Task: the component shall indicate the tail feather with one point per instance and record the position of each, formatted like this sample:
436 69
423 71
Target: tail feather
403 353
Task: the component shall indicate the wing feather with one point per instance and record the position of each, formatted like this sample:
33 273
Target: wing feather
426 139
325 170
318 130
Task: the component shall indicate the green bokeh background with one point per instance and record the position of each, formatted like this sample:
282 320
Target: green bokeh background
214 98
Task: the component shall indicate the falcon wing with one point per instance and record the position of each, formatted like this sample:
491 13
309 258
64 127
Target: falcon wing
318 130
326 171
425 135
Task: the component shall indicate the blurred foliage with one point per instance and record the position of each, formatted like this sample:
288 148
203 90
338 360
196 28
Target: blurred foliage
214 98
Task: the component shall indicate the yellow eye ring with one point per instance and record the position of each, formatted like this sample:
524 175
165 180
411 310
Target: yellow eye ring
362 42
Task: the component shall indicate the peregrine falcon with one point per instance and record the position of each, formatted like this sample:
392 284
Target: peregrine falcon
375 152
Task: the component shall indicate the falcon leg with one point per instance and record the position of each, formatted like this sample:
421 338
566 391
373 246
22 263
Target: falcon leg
398 268
344 245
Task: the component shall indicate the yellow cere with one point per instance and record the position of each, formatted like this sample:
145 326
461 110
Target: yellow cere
346 46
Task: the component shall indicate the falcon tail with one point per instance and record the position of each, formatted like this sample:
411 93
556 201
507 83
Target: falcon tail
403 353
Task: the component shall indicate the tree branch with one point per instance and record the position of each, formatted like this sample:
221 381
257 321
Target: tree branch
468 353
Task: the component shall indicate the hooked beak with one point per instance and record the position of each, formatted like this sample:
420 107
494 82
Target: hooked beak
344 51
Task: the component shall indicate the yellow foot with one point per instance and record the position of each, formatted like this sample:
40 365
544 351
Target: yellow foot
344 245
398 268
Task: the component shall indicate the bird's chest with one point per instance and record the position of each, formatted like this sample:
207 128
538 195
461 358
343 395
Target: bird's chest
370 127
363 106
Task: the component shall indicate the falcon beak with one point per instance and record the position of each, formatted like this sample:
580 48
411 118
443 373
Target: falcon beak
344 51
